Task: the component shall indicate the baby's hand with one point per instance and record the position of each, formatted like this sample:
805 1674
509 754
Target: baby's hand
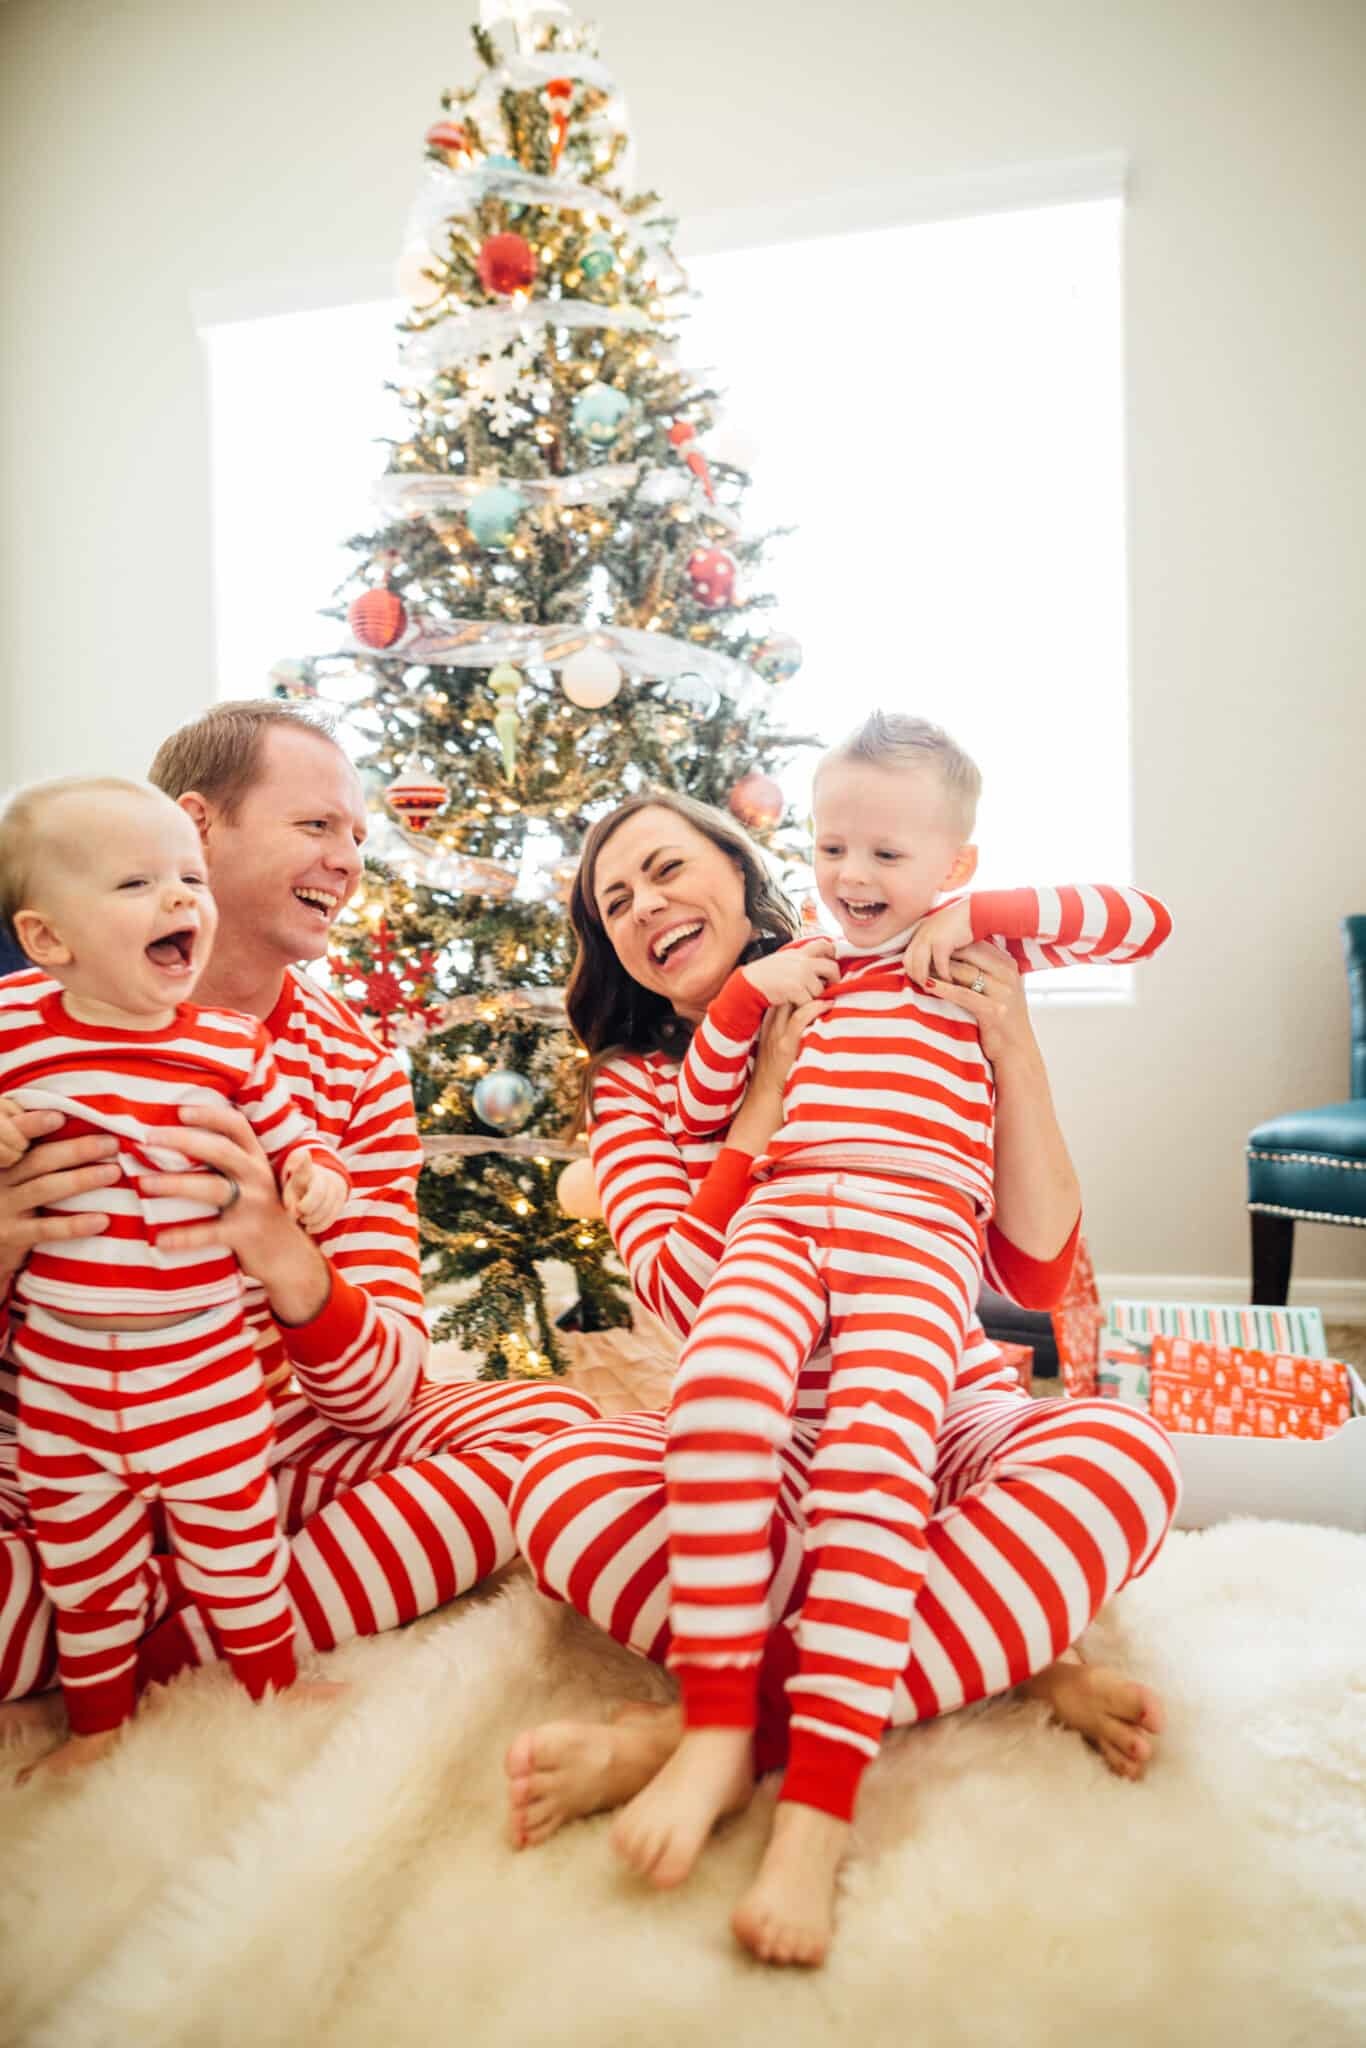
313 1195
13 1143
795 974
935 941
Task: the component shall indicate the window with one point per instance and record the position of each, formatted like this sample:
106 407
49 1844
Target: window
936 408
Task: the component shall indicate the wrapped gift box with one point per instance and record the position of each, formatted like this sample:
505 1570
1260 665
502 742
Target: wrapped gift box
1223 1390
1020 1359
1077 1323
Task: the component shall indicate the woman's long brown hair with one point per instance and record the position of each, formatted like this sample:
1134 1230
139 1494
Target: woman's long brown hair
609 1011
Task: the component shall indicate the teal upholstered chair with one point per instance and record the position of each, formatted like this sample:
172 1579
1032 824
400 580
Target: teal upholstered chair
1310 1166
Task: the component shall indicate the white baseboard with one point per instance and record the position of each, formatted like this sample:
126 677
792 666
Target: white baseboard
1342 1301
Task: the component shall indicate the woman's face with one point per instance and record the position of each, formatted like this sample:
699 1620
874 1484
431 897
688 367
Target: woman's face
673 906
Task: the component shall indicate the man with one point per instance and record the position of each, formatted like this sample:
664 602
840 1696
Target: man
394 1489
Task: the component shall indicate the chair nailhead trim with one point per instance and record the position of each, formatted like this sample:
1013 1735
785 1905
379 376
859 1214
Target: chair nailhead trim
1306 1215
1308 1159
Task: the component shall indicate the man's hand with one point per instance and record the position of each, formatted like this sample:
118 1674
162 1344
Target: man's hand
935 941
51 1170
313 1195
795 974
268 1245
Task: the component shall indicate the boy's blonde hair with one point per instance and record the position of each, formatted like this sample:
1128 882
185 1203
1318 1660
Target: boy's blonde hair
28 837
894 739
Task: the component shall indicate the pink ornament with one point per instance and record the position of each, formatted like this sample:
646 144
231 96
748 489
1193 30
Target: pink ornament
756 801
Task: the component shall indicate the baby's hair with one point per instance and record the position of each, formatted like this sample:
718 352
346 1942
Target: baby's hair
895 739
25 839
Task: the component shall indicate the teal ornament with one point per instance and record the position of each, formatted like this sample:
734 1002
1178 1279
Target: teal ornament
778 660
598 413
503 1099
599 257
492 516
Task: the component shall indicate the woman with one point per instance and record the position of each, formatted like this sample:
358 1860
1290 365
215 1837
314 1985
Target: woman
1043 1509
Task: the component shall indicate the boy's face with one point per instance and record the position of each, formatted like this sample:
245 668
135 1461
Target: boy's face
887 846
121 912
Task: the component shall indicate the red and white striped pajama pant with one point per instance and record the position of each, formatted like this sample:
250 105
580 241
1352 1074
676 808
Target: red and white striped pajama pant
1043 1511
112 1420
382 1528
894 1267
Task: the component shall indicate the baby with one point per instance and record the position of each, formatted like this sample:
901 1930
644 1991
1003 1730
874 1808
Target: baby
138 1377
867 1217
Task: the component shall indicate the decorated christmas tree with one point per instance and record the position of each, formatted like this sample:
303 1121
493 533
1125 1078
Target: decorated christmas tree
554 611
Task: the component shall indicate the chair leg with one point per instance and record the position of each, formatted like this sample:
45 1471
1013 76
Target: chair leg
1273 1249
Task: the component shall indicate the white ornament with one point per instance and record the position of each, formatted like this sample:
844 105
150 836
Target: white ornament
590 678
576 1190
411 279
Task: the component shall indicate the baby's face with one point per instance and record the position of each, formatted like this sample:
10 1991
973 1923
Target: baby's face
886 847
130 903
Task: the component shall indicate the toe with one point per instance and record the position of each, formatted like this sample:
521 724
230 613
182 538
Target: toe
1153 1716
520 1758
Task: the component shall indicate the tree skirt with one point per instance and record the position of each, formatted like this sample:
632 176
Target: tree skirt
335 1873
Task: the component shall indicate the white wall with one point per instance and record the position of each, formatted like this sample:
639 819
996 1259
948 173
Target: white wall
153 150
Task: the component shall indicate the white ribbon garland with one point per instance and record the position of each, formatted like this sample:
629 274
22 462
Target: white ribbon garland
447 192
438 1149
482 643
480 330
412 495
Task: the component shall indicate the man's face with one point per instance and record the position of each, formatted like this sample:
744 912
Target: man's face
284 866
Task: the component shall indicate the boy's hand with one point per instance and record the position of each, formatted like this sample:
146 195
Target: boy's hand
312 1195
797 974
935 941
13 1143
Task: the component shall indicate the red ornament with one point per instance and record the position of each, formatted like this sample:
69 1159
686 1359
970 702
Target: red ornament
681 434
756 801
507 264
559 92
448 137
377 618
711 572
415 797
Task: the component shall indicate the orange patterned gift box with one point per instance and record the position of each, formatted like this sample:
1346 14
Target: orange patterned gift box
1221 1390
1077 1323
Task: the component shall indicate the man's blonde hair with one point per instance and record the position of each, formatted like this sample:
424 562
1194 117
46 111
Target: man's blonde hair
219 753
29 838
894 739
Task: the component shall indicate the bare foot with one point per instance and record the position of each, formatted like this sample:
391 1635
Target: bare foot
788 1913
1109 1711
661 1833
566 1770
42 1713
73 1754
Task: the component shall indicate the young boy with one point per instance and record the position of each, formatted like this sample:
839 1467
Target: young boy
138 1378
867 1213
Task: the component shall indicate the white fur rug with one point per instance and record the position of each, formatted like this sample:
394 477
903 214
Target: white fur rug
335 1874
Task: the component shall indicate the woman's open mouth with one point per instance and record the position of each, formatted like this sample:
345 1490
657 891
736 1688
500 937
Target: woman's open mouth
173 953
678 943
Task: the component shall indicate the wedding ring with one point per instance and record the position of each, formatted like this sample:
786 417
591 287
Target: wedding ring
978 984
234 1195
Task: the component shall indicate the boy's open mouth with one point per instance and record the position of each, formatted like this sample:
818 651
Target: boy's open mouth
862 913
174 952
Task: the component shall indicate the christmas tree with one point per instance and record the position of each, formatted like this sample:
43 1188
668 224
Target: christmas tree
554 612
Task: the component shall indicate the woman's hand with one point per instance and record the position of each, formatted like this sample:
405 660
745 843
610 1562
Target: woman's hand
269 1246
761 1112
51 1170
795 974
999 1007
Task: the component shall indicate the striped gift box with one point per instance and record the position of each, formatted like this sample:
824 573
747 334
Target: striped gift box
1296 1332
